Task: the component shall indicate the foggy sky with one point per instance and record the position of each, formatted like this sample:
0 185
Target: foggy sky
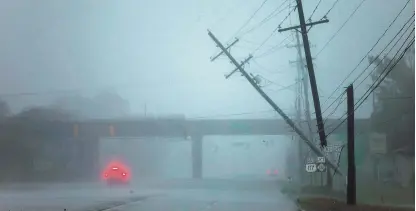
157 52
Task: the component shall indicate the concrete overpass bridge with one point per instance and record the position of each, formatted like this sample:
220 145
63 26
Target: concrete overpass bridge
87 133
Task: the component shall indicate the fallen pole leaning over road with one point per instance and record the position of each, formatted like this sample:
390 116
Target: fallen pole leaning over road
314 148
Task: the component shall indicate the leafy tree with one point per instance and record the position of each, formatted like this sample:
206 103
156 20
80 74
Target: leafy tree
43 113
19 150
111 105
394 105
107 104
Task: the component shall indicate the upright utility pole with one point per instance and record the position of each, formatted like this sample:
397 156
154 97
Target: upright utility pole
311 71
305 79
351 180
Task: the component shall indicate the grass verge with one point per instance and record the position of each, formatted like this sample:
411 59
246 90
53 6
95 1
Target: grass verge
325 204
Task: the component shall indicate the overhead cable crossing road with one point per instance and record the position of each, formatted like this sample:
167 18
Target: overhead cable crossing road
286 118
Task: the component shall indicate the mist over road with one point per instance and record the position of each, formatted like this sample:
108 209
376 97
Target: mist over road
175 194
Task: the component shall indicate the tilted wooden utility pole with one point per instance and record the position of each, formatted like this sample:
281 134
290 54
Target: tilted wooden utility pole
314 148
303 87
308 57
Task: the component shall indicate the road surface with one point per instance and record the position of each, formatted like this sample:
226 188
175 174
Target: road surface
212 200
172 195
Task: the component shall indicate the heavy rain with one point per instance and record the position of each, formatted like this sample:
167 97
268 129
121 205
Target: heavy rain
204 105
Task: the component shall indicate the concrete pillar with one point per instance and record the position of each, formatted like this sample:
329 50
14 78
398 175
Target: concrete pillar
197 167
87 158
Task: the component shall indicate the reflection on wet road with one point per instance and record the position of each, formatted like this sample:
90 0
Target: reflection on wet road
169 195
207 200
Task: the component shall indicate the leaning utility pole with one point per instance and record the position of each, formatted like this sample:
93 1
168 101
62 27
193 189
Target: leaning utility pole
314 89
253 82
351 180
301 63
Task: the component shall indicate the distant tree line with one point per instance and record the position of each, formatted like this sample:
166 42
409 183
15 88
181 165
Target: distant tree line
25 158
394 102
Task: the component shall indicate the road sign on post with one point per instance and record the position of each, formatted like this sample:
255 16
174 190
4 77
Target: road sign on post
310 160
310 168
321 167
320 160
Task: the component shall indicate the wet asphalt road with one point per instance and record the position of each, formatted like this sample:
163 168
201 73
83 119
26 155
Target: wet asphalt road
172 195
215 200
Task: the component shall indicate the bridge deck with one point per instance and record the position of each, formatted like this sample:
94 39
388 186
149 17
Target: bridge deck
166 127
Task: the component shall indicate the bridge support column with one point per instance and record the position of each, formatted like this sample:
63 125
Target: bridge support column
86 156
197 156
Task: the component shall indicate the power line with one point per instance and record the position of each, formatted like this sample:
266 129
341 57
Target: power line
260 66
273 14
365 97
411 18
384 55
252 43
269 81
290 18
314 10
224 17
332 7
336 108
265 40
243 113
404 97
336 99
285 87
284 19
263 68
365 56
375 83
273 32
342 26
273 82
251 17
274 48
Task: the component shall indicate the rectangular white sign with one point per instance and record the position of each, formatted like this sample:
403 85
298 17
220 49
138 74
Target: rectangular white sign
320 160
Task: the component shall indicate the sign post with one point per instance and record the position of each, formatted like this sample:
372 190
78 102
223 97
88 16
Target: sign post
318 166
